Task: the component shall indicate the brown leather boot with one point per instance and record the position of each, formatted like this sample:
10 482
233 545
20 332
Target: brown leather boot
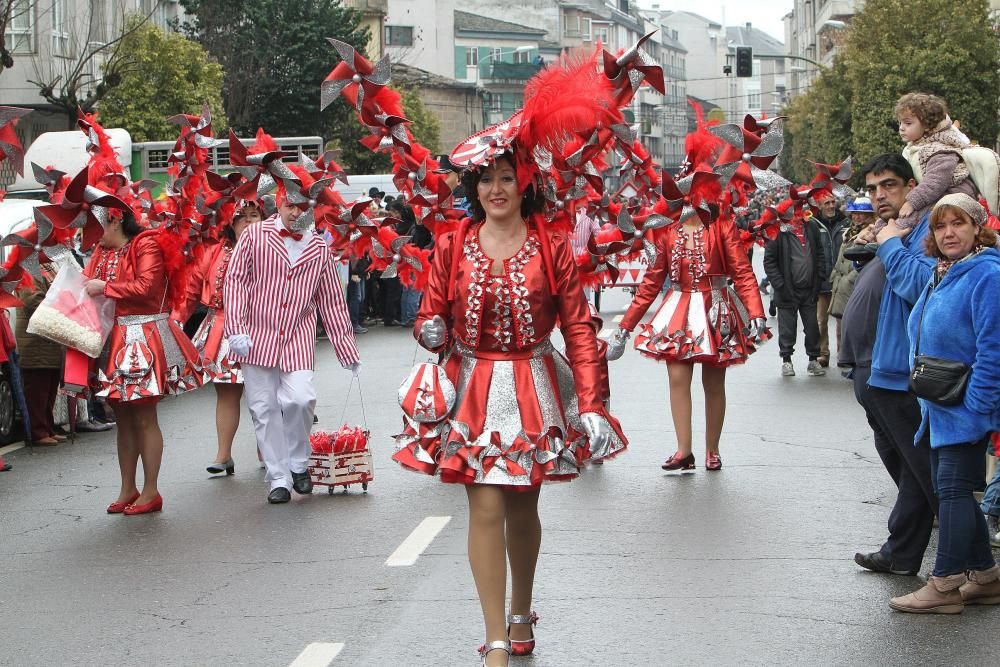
983 587
940 596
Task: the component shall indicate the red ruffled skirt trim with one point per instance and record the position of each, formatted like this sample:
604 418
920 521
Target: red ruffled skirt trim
146 357
213 348
515 423
708 327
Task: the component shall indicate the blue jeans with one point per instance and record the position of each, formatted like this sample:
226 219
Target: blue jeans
964 542
991 498
355 297
410 305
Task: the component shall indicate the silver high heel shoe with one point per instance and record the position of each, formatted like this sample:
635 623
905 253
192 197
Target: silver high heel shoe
227 467
498 645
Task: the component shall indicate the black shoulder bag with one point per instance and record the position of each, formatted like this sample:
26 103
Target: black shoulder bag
934 379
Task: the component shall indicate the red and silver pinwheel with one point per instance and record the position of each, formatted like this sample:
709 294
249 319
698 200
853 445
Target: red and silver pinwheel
689 196
834 177
308 198
750 150
636 234
10 145
83 207
631 68
323 167
260 169
198 126
354 78
395 254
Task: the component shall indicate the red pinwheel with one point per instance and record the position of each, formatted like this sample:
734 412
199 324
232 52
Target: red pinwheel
354 78
487 144
10 145
435 208
636 234
323 167
749 152
390 250
387 130
224 184
354 228
260 169
199 127
409 175
628 71
33 244
576 173
833 178
83 207
604 248
308 198
48 177
10 278
690 195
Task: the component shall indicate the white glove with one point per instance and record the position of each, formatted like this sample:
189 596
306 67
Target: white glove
240 345
355 368
616 346
432 332
755 331
598 433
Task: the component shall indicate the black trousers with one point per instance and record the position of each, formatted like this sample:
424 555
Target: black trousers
894 417
787 318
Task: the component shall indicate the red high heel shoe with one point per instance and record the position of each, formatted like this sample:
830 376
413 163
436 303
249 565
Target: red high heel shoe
522 646
154 505
678 462
119 506
713 461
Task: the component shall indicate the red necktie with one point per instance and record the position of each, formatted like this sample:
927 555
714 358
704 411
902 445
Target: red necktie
284 232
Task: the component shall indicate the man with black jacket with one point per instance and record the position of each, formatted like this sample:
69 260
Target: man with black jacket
832 224
796 265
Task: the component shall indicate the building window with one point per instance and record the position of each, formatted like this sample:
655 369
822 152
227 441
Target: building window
585 29
496 54
20 34
471 57
753 100
399 35
60 29
522 56
496 102
602 33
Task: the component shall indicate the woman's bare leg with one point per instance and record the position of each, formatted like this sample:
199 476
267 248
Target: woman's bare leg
680 403
714 381
227 418
488 559
150 448
524 538
128 451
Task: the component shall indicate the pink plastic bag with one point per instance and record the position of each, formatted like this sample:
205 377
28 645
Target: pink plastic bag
70 317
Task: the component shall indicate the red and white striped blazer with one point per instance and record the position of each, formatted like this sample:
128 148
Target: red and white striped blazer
274 302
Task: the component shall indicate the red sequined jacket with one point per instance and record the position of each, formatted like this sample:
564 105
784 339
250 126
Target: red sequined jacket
535 310
206 281
723 256
135 274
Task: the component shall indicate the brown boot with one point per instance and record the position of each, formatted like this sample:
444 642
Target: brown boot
983 587
939 596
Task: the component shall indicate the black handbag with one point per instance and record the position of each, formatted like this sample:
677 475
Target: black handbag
934 379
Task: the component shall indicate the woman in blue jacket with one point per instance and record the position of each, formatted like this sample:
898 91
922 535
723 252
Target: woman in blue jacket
958 317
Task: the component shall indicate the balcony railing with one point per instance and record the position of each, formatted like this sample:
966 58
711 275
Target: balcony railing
512 71
675 73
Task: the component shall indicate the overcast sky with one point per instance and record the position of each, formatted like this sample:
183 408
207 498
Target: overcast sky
764 14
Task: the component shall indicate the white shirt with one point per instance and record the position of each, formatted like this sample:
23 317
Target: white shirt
294 248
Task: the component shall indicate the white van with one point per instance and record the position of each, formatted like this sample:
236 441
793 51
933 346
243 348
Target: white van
67 152
358 186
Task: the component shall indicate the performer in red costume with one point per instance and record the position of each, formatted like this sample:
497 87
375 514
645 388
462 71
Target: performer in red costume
205 286
281 273
146 356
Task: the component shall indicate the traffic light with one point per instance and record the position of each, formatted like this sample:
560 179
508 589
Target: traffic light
744 61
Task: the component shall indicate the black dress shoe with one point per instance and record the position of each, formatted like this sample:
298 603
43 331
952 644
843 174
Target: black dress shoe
876 562
302 483
279 495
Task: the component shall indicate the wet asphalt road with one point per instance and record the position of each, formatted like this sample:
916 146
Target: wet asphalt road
751 565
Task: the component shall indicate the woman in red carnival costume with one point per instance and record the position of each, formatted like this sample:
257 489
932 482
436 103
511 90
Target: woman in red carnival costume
711 314
205 286
146 356
522 415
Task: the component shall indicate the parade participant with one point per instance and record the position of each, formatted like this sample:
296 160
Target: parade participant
957 319
205 286
875 339
279 276
489 267
146 357
797 268
701 320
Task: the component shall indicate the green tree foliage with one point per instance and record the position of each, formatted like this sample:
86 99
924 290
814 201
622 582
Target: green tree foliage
169 75
425 126
276 55
894 47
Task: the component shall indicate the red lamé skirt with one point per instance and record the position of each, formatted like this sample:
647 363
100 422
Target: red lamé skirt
213 347
146 357
708 326
515 422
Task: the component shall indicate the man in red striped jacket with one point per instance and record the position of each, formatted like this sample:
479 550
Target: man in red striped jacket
278 277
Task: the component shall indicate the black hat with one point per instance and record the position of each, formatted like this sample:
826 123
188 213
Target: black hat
445 165
375 192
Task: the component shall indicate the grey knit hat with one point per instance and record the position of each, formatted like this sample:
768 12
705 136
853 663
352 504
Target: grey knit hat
966 203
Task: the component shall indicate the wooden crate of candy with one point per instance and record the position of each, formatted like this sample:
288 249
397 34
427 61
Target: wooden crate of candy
340 458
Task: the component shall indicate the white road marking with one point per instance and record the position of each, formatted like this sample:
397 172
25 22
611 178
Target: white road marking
618 318
318 654
605 333
409 551
12 447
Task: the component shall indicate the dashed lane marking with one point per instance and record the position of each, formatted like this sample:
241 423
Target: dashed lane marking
605 333
317 654
409 551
